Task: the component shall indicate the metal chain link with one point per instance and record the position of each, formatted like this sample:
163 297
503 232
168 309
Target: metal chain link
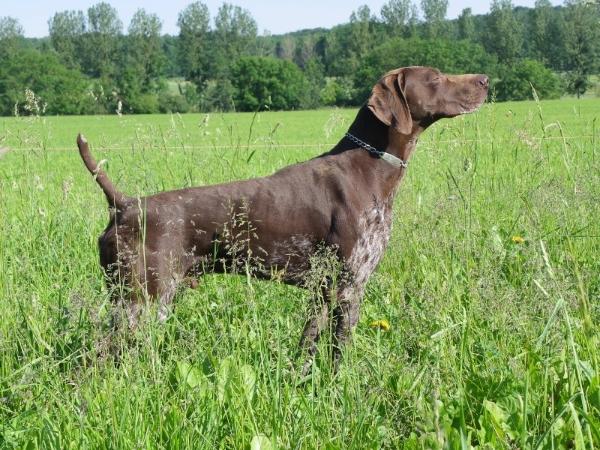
394 160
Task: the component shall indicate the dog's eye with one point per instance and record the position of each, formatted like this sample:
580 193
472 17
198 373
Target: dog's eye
436 80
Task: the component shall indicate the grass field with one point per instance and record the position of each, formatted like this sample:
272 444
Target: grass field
491 287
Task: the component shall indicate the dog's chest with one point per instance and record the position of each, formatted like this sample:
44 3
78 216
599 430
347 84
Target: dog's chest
374 229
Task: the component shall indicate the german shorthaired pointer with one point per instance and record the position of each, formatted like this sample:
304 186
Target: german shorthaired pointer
341 201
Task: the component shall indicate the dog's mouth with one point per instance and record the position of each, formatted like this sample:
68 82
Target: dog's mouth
471 105
468 109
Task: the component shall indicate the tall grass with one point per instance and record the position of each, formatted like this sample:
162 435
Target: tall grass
490 286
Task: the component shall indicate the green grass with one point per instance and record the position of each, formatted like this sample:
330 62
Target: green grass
493 343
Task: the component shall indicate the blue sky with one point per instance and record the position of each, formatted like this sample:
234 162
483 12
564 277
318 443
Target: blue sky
276 16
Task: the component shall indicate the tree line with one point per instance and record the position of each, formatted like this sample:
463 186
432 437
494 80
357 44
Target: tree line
89 64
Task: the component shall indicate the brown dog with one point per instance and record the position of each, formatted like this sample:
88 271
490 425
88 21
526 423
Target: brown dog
341 201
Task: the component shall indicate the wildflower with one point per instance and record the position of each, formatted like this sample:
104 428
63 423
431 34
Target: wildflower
518 239
381 324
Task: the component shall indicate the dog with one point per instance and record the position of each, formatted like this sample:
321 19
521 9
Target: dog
341 201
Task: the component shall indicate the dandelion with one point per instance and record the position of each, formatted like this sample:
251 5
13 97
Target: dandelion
381 324
518 239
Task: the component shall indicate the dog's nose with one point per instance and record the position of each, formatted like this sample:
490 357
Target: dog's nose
483 81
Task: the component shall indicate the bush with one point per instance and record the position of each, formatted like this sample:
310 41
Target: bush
338 91
264 81
59 90
217 95
144 104
172 103
515 83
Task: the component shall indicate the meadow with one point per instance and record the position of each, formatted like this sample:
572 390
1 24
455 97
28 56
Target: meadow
490 286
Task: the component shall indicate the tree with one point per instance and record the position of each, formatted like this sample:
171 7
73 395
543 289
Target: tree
102 40
193 23
435 13
303 51
66 31
285 48
466 26
543 32
265 81
145 49
139 77
397 15
313 72
350 43
234 37
504 33
10 33
57 89
361 32
581 42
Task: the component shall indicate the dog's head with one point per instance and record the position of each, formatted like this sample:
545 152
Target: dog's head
421 95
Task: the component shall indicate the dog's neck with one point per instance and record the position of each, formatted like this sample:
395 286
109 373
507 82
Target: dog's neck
372 131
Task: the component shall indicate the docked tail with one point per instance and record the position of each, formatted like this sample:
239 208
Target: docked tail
114 197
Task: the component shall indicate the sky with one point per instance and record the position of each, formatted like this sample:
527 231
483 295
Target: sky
273 16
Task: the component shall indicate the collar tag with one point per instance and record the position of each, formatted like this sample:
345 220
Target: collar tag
387 157
393 160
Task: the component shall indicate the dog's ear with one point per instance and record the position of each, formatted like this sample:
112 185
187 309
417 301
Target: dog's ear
388 102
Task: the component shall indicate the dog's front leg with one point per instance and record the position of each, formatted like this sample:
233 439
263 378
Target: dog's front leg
345 316
317 322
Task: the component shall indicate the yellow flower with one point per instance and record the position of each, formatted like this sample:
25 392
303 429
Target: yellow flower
381 324
518 239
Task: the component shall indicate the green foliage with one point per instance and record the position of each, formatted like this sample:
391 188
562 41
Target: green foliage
315 81
234 36
193 23
178 96
582 35
398 16
267 82
129 72
67 29
59 90
338 91
144 49
11 34
218 95
101 41
504 34
466 25
516 81
435 13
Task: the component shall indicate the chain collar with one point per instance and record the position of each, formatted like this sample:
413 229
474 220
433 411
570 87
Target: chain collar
388 157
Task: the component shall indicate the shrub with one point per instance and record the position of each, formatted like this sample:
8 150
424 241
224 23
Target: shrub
172 103
217 95
338 91
144 104
59 89
515 82
265 81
